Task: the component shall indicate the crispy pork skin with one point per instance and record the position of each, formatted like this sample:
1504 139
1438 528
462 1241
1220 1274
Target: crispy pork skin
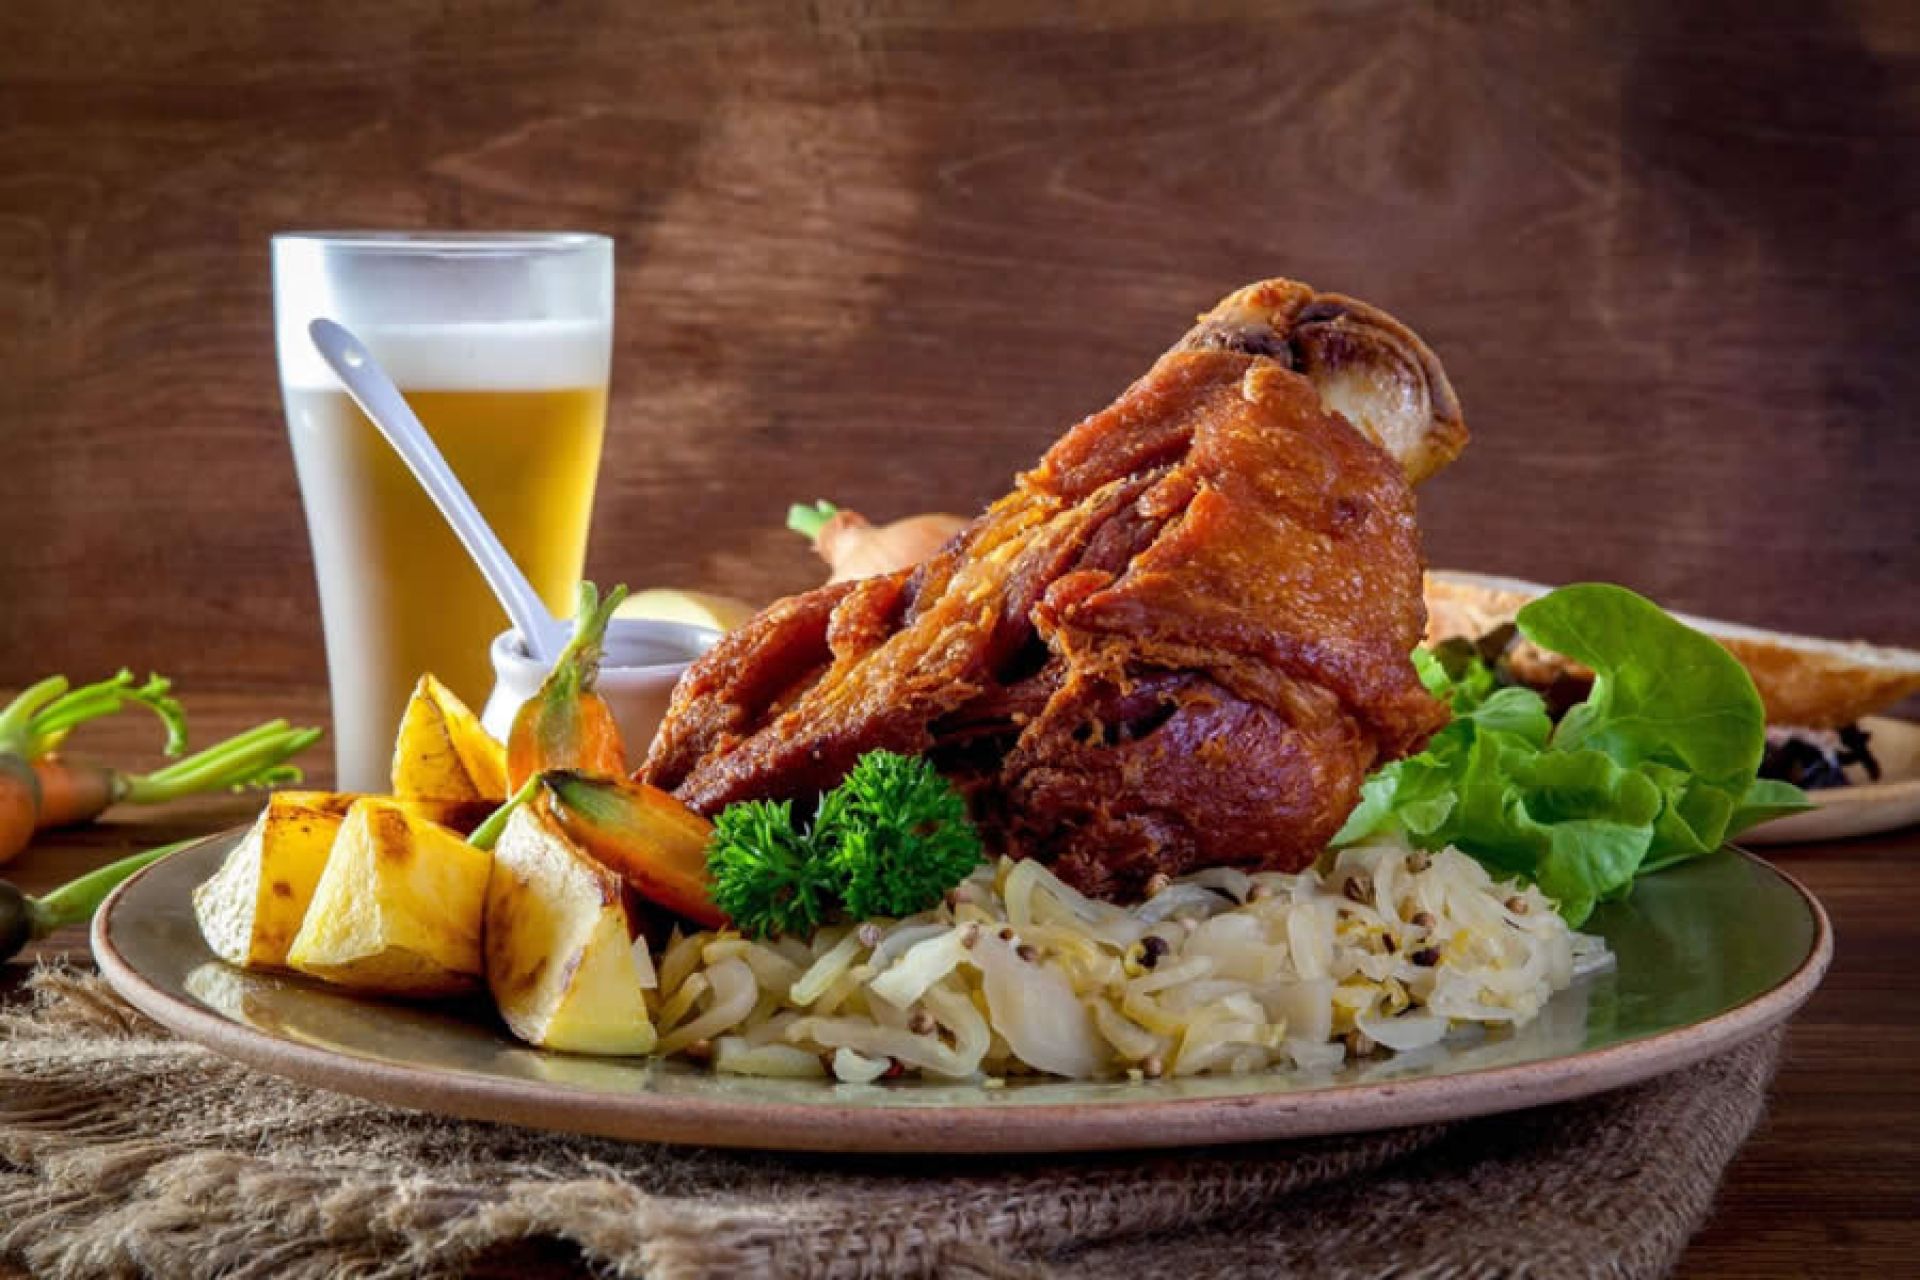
1181 641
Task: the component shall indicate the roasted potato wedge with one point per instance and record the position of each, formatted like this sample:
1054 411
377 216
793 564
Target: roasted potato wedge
250 910
442 753
560 953
252 907
398 909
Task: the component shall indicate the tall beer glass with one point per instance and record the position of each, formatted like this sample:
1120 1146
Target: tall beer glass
501 344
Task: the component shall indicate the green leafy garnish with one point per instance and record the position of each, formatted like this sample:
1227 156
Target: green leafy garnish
36 723
898 835
1657 766
767 875
888 841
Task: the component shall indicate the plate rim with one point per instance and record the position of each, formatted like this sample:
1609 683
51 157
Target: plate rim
980 1128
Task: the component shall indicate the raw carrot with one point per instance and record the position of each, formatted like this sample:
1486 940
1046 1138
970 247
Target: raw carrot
40 789
19 804
25 919
71 792
566 725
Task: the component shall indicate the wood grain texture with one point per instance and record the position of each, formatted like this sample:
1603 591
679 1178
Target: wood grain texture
1826 1188
885 252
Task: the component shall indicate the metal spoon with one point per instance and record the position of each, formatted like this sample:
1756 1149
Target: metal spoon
381 401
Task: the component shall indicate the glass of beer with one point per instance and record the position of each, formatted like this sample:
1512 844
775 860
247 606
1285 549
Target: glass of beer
501 343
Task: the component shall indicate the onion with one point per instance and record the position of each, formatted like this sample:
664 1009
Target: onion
1238 946
1194 899
1590 955
1231 881
1036 896
680 959
925 964
1146 1011
1134 1042
678 1004
643 965
825 971
900 939
972 1037
1310 941
867 1037
773 971
1316 1055
854 548
848 987
1304 1008
771 1030
734 1056
854 1067
1214 1036
1172 974
734 994
1045 1024
1405 1033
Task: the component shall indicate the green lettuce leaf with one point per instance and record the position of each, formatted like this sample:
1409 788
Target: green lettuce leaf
1661 690
1765 800
1656 766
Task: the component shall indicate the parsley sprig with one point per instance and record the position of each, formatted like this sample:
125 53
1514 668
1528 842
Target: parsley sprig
888 841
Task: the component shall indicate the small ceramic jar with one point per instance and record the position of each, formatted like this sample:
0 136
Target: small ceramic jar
644 660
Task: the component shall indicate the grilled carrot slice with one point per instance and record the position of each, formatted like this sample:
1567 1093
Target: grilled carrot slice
655 843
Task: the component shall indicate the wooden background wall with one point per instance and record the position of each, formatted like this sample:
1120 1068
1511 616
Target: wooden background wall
884 252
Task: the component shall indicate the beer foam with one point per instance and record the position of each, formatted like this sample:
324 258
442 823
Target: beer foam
528 355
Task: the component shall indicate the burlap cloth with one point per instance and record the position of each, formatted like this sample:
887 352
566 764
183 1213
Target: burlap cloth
124 1151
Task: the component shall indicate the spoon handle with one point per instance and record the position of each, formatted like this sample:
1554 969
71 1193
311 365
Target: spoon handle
376 395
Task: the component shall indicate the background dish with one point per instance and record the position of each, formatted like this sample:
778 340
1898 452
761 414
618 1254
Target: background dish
1710 954
1866 808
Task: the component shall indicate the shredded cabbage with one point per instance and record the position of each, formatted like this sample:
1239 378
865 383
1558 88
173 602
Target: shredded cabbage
1387 949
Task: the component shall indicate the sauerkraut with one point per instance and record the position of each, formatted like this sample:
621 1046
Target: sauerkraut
1388 950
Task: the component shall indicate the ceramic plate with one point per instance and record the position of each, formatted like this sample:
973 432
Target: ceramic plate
1709 954
1868 807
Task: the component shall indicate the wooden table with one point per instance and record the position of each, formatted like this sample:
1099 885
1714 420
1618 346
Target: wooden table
886 253
1828 1187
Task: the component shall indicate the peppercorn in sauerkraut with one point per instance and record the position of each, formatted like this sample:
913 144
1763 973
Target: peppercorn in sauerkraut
1220 971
